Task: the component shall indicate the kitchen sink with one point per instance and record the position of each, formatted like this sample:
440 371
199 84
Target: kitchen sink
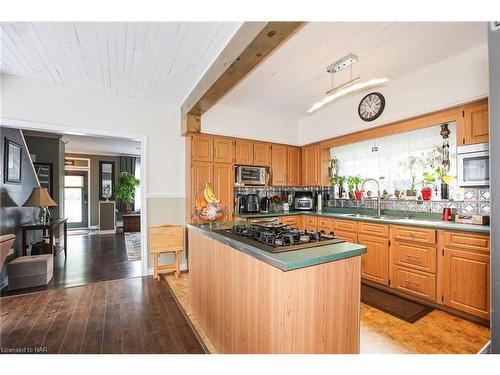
381 217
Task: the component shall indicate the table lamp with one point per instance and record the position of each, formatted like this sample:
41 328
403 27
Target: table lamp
40 198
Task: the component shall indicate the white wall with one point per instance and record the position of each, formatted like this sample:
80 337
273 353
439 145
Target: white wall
456 80
227 120
29 100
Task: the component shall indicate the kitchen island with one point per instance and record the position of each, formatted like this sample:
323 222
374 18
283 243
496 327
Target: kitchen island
251 301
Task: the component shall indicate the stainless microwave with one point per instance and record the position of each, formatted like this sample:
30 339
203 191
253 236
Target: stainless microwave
254 176
473 165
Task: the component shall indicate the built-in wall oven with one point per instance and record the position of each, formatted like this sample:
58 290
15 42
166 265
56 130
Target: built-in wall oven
473 165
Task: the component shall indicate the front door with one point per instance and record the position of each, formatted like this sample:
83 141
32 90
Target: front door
76 193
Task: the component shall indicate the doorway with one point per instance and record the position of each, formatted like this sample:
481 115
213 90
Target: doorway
76 194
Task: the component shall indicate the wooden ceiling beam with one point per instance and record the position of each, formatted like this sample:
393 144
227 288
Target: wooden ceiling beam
249 47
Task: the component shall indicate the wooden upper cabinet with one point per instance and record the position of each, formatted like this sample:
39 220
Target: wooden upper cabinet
466 282
223 182
294 166
202 147
311 165
279 165
244 152
201 172
262 154
375 262
475 124
224 150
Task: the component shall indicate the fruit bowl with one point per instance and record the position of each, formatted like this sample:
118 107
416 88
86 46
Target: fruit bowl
207 208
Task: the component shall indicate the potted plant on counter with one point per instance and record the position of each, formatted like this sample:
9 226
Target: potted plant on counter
125 190
353 186
341 180
410 166
276 203
428 179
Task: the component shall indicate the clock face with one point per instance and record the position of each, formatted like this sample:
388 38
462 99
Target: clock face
371 106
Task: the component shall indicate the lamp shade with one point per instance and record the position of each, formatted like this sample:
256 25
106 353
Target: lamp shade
39 198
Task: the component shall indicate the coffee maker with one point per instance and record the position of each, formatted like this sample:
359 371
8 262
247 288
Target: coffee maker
251 203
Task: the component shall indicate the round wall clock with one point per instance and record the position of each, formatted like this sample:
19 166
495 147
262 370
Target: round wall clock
371 106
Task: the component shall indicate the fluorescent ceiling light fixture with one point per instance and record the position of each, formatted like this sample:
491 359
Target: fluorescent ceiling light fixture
341 91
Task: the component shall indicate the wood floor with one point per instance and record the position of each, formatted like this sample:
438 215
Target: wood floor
436 333
136 315
91 258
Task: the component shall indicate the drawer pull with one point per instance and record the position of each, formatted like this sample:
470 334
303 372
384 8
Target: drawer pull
411 283
412 256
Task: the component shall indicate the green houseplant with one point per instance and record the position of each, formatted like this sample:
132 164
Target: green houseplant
125 190
353 184
428 179
445 181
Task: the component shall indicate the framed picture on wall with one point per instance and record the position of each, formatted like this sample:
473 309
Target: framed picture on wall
44 173
106 179
13 153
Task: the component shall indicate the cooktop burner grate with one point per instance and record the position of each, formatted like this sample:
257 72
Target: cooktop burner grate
277 238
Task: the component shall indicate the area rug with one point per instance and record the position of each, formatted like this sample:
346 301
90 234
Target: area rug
401 308
133 245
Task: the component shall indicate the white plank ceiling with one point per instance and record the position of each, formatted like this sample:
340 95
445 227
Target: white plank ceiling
294 77
158 61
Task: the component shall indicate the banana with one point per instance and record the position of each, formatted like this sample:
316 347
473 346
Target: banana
209 194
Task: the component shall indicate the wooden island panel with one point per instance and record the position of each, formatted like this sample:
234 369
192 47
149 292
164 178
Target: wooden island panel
247 306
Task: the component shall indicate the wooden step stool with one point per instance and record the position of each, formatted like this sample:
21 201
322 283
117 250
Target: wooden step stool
165 239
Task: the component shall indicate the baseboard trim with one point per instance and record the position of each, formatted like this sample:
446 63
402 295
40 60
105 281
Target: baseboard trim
111 231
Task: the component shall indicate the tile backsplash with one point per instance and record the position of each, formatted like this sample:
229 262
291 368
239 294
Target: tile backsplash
475 200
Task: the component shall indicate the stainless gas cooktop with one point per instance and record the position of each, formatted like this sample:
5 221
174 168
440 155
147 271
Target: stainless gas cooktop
277 238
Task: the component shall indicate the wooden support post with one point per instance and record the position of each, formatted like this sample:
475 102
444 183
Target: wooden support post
191 124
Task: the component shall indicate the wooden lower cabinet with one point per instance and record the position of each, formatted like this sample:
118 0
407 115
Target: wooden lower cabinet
247 306
324 224
345 225
418 283
375 262
416 256
295 221
310 223
347 236
466 281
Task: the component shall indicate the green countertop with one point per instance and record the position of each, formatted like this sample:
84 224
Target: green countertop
290 260
417 220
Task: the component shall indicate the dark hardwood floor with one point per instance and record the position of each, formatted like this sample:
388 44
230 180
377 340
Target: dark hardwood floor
91 258
136 315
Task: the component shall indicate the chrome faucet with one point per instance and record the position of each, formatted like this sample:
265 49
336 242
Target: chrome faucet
378 192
